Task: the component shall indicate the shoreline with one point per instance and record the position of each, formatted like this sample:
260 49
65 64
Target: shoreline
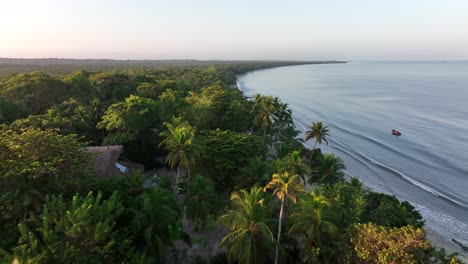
437 239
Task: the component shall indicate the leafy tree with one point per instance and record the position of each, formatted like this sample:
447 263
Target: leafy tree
182 150
284 185
386 210
130 118
48 162
218 107
112 86
171 104
319 132
224 153
328 170
377 244
83 230
310 222
347 203
132 123
10 110
149 90
36 91
250 238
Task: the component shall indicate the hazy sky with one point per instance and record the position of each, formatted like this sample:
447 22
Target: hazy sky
235 29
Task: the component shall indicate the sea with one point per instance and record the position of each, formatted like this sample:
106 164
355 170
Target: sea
362 102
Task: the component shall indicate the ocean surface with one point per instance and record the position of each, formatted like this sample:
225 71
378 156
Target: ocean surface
362 102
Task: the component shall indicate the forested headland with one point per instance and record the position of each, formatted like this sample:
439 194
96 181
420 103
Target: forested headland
227 178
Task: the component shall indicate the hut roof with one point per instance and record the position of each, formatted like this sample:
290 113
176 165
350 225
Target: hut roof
105 159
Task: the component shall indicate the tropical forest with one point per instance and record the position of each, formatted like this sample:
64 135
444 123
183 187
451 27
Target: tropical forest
221 177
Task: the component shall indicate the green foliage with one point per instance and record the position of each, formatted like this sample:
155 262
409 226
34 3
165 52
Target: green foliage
51 163
37 91
386 210
217 107
149 90
132 116
131 123
347 203
224 153
250 238
10 110
81 231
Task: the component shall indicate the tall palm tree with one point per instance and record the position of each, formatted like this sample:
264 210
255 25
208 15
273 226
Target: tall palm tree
329 170
293 163
154 213
182 151
308 219
202 200
282 118
264 110
257 171
283 185
320 132
248 220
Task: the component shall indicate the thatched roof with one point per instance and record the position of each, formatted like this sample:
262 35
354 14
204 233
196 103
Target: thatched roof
105 159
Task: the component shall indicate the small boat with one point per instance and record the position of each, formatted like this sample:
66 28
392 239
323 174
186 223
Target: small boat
396 133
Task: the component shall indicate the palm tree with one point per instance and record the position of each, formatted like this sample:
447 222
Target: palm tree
202 200
308 219
182 151
257 171
248 220
264 109
320 132
293 163
154 214
329 170
283 185
282 118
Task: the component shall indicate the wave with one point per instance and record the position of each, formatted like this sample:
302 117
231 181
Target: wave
388 168
387 147
413 181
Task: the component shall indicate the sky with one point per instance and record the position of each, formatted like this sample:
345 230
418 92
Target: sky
235 29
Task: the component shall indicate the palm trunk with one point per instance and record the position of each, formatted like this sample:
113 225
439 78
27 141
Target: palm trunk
279 230
176 184
188 181
312 153
264 134
278 135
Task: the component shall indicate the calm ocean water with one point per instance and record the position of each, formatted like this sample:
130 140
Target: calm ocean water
362 102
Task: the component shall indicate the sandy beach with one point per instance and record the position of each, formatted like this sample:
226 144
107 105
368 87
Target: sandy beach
439 241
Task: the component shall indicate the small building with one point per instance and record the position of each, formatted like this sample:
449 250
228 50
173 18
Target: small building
109 164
